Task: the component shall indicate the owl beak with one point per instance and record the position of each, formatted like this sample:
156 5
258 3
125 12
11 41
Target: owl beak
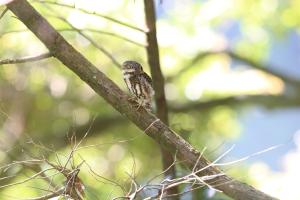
125 65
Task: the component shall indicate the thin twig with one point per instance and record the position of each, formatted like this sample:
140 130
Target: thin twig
175 160
106 33
94 13
26 59
113 95
151 125
48 196
26 180
95 44
3 13
84 30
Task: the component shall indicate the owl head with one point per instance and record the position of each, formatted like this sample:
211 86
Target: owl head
132 67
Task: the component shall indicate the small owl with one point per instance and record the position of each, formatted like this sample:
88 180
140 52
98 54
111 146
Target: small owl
138 83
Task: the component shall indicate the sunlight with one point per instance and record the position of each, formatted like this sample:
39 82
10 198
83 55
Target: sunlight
69 105
77 19
219 78
215 8
168 61
58 85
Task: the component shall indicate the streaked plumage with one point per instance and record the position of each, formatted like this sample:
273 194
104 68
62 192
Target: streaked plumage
138 83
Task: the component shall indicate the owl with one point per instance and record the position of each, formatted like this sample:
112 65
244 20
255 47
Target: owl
138 83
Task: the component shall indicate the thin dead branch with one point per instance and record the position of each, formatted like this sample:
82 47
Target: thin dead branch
161 133
4 12
91 30
50 195
25 59
93 13
193 179
95 44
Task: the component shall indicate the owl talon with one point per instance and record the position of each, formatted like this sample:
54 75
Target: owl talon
132 99
135 101
138 107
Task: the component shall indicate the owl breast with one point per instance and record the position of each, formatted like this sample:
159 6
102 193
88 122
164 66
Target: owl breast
139 85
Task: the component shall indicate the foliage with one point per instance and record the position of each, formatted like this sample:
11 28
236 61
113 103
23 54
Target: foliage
42 103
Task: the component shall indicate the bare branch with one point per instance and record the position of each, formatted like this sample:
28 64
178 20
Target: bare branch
93 13
191 178
25 59
267 68
51 195
3 13
161 133
26 180
267 101
95 44
106 33
158 84
85 30
104 51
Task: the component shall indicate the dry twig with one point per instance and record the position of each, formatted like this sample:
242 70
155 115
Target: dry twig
26 59
93 13
63 51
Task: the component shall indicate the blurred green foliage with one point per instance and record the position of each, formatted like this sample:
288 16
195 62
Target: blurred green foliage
45 102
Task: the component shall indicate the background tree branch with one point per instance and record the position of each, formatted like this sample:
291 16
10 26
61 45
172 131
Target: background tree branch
156 129
267 68
94 13
25 59
266 101
158 85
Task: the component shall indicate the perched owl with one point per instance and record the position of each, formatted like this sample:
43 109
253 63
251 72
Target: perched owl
138 83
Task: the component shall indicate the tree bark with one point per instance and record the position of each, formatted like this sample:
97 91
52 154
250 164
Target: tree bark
158 85
147 122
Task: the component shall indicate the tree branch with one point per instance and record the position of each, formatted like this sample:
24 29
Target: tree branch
94 13
269 69
265 68
3 13
51 195
161 133
25 59
106 33
102 123
95 44
158 85
84 30
267 101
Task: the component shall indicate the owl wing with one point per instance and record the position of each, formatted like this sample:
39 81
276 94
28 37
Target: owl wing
147 77
149 83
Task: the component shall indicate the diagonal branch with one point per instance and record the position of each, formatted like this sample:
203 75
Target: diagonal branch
267 101
161 133
3 12
269 69
158 85
265 68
